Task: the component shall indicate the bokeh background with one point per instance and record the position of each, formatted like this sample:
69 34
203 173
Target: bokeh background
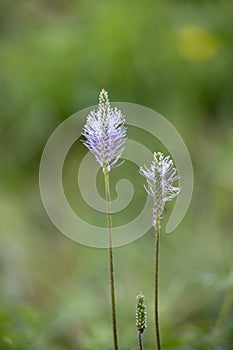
173 56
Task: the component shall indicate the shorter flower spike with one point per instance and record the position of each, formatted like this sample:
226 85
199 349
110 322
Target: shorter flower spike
160 177
105 133
141 316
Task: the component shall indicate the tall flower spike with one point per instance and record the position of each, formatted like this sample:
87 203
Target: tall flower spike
105 133
141 316
160 177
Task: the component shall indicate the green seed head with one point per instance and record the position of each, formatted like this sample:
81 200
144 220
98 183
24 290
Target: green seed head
141 317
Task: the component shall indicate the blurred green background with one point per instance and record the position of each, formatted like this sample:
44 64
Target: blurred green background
174 57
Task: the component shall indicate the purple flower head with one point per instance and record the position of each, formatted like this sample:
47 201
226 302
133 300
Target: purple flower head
105 133
160 177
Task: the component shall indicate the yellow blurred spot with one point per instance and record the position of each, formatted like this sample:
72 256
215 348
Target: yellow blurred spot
196 43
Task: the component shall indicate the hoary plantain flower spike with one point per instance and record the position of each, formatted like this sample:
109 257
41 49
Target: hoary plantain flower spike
105 133
160 177
141 316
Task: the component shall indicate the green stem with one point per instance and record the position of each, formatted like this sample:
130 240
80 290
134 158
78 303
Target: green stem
140 340
157 233
111 263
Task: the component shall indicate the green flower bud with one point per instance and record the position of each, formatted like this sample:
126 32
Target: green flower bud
141 317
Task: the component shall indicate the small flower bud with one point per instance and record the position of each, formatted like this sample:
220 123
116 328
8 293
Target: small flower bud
141 317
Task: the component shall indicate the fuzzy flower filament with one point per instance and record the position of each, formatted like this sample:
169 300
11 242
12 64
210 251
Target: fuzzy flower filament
160 176
105 133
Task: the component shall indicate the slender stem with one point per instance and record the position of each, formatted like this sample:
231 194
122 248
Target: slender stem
140 340
157 233
111 263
